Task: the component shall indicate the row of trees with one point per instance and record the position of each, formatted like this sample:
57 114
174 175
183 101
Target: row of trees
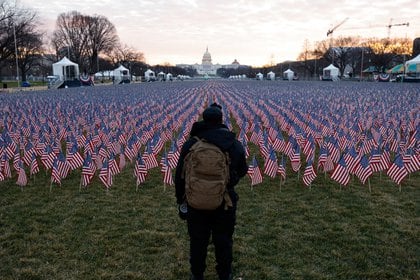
356 52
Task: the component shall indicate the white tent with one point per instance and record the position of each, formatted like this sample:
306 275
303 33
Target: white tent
169 77
413 65
66 70
271 76
161 76
288 75
121 75
149 75
259 76
121 72
330 73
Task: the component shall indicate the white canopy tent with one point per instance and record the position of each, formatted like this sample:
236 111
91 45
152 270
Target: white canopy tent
149 75
330 73
121 75
288 75
161 76
169 77
259 76
271 76
66 70
413 65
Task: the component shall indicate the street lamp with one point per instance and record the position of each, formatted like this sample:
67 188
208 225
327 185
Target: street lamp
16 54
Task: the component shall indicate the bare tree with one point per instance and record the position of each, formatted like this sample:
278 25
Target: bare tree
102 38
29 52
20 38
7 15
123 54
84 38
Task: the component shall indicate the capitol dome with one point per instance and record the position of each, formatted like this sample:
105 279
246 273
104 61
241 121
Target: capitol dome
206 57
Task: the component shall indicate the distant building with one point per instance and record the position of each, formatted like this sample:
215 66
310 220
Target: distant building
207 68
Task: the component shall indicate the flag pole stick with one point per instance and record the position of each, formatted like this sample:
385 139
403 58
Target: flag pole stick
370 190
51 186
399 187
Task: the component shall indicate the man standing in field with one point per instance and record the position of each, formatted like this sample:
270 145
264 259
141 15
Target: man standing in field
211 163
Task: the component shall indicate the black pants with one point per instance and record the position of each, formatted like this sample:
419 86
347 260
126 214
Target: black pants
219 224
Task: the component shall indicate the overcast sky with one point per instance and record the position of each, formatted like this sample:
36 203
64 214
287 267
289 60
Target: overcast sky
255 32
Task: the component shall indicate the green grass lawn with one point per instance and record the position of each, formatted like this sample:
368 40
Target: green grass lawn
292 232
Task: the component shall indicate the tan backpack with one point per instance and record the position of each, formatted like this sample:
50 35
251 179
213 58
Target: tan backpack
206 176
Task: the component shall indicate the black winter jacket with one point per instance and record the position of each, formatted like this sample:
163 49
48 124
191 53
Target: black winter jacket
220 136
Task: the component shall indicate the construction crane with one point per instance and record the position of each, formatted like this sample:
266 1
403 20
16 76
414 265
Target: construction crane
395 24
330 31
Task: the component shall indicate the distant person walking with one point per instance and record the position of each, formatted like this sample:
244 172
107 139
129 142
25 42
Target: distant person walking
211 163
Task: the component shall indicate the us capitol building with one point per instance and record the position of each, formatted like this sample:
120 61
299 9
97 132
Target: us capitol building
207 68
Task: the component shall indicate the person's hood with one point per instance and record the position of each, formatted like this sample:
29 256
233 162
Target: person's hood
218 135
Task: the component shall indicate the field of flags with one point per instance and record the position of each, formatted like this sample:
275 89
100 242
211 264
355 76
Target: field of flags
312 129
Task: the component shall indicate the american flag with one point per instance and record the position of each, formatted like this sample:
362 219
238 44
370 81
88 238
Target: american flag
323 153
282 169
167 173
363 169
309 149
271 165
279 143
149 158
63 166
48 157
173 155
22 179
74 158
309 174
34 165
1 173
376 161
113 165
7 172
352 159
254 172
16 159
341 173
397 172
29 151
156 144
55 173
140 170
411 161
88 170
105 174
295 159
